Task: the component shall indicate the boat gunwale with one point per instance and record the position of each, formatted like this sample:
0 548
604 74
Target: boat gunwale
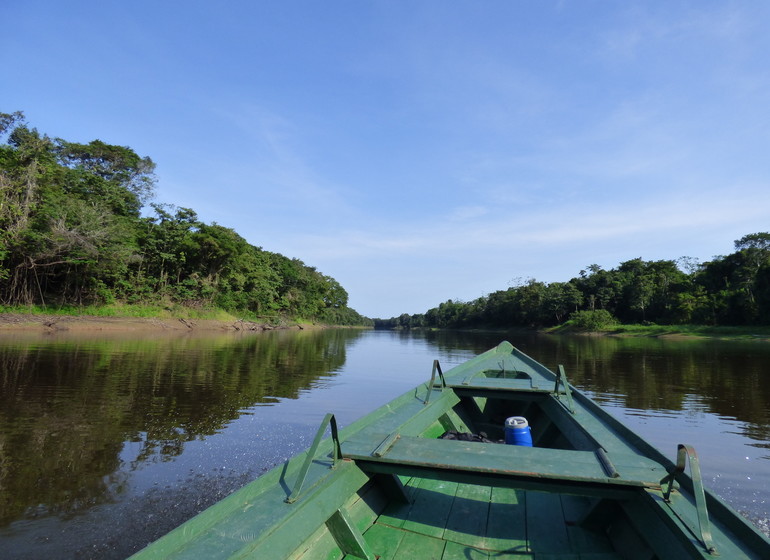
427 401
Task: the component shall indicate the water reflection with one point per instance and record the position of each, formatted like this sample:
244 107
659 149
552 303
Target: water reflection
68 408
727 379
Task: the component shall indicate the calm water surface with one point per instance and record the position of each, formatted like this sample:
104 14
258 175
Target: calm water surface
106 443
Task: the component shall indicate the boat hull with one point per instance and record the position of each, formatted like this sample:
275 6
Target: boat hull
395 485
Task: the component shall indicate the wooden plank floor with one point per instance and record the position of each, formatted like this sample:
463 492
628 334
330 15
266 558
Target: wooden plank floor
448 521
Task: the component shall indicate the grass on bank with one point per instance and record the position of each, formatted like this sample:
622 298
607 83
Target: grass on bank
173 311
164 311
742 332
653 330
600 321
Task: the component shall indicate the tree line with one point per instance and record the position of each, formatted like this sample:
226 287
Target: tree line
728 290
72 233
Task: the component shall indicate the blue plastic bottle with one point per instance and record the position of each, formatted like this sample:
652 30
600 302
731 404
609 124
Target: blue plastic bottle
517 431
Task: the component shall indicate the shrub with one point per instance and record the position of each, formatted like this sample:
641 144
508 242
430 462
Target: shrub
596 320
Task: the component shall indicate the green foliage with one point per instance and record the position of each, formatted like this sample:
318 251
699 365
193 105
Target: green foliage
593 320
71 234
730 290
114 173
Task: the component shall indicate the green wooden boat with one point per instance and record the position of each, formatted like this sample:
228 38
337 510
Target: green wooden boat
394 485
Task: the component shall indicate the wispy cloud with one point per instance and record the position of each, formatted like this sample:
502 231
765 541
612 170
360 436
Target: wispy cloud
641 27
272 166
482 231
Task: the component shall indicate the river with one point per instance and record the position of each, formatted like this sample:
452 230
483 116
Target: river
108 442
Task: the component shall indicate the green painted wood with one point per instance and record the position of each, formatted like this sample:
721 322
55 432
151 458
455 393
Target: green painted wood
431 506
467 519
435 430
328 421
507 522
406 415
451 420
681 508
584 539
481 382
457 551
566 423
416 422
511 556
546 530
334 554
371 500
580 488
273 532
612 434
316 505
536 462
392 487
627 536
397 511
362 510
736 528
385 444
384 540
348 537
320 545
236 517
415 545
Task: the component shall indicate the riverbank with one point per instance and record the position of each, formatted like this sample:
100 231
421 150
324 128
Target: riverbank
673 331
758 333
52 323
49 323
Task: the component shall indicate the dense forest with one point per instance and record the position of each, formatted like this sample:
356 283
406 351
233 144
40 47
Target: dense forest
728 290
73 233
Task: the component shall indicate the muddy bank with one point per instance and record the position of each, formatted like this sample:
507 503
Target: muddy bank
18 322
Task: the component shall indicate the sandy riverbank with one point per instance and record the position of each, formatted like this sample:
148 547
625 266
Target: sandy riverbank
18 322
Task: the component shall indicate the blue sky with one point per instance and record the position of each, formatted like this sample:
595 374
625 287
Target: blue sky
419 151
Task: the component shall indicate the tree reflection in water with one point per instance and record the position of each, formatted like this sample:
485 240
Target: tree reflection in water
68 407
